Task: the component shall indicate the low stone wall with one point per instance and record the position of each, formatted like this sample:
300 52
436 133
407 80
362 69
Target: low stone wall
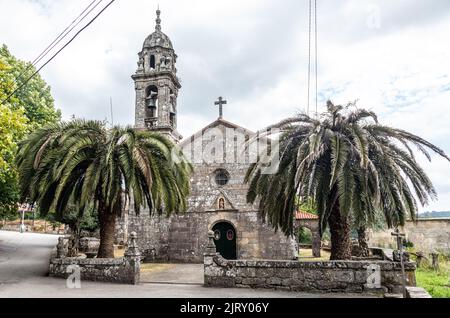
337 276
125 270
322 277
121 270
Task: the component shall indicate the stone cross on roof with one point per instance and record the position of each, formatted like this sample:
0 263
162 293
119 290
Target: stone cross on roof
220 103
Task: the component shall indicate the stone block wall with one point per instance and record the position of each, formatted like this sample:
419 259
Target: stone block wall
332 276
121 270
181 238
428 235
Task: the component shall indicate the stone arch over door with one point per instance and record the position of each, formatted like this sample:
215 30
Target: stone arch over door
313 226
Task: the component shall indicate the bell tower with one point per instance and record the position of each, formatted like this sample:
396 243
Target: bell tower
157 85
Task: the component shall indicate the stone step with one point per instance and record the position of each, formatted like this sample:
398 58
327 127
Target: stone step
393 296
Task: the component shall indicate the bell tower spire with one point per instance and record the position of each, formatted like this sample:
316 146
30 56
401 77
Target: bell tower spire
157 85
158 19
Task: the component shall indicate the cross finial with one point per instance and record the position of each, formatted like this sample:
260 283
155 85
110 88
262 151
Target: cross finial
220 103
158 19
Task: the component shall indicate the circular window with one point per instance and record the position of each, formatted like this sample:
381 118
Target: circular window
222 177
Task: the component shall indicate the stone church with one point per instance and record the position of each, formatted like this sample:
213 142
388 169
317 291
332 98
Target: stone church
218 193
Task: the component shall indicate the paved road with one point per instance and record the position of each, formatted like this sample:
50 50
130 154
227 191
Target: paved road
24 256
24 265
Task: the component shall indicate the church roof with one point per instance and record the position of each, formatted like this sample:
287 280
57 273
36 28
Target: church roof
158 38
301 215
216 123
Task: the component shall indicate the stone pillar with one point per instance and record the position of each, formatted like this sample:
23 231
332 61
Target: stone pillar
211 247
208 260
62 249
133 259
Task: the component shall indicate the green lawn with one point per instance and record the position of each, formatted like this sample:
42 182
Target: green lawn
437 283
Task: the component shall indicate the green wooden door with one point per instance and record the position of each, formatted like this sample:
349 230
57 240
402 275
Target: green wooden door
225 239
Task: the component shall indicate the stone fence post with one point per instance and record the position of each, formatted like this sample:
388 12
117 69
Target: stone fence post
62 249
208 260
435 261
133 259
211 247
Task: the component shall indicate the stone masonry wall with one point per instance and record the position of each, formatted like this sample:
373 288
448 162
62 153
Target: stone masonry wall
180 238
125 270
332 276
120 271
428 235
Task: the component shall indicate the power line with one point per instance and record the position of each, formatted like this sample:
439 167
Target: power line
59 51
59 38
112 111
66 31
315 56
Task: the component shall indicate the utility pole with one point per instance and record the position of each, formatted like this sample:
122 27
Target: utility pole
112 111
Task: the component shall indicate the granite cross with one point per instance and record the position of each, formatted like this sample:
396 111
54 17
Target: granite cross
220 103
399 236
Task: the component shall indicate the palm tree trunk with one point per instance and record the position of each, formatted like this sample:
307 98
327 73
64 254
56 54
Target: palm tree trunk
107 231
362 242
340 235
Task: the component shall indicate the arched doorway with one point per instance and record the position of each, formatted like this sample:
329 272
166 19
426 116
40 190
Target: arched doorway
225 240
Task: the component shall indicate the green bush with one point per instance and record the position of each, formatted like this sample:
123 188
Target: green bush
305 236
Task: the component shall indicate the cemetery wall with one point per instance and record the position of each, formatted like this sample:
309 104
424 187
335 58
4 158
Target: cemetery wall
427 235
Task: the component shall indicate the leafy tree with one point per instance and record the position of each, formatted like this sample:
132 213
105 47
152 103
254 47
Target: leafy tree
85 164
12 128
34 97
351 165
30 107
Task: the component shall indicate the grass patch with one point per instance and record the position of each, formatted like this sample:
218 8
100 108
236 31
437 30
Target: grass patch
436 283
305 255
119 252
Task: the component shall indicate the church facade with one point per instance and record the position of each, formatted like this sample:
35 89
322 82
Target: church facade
218 192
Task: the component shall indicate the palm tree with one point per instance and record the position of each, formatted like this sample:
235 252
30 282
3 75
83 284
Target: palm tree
83 163
351 165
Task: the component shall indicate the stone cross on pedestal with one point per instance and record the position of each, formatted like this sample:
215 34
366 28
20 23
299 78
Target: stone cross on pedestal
220 103
399 236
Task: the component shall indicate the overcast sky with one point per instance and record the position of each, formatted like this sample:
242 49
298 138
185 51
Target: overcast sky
392 56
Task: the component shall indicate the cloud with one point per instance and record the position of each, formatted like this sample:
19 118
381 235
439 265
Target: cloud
393 56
